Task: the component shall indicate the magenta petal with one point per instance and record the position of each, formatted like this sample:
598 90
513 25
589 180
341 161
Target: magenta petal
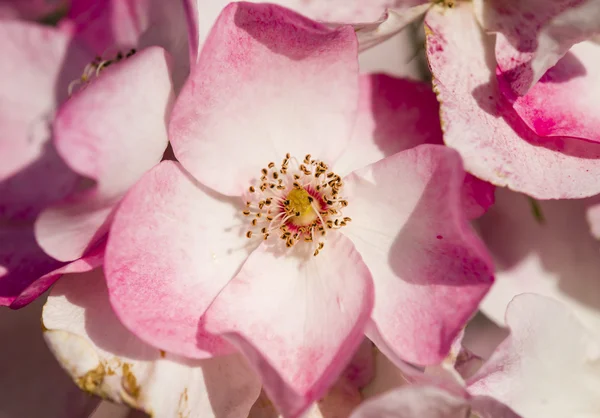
429 268
172 247
112 131
26 271
534 34
565 100
251 101
394 114
495 144
297 318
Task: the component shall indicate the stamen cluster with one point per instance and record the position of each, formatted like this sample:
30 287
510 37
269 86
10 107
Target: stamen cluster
297 202
96 66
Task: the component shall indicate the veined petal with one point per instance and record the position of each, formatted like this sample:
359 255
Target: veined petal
564 101
112 131
104 358
495 144
252 100
40 62
172 247
297 318
548 367
533 35
429 268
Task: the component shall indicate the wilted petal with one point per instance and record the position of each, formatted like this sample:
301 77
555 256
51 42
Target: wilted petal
112 131
173 245
429 268
250 102
548 367
533 35
104 358
496 145
298 318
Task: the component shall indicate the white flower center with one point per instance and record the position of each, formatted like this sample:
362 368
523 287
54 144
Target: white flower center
296 202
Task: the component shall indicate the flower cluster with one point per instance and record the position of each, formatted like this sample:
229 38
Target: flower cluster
252 209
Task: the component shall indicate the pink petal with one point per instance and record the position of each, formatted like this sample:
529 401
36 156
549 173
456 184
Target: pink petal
26 271
394 115
202 15
40 62
564 101
172 247
478 121
109 26
540 370
89 261
33 384
104 358
534 34
297 318
555 257
414 402
251 101
113 131
429 268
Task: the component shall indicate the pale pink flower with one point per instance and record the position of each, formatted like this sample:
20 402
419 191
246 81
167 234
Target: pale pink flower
111 130
543 144
386 229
